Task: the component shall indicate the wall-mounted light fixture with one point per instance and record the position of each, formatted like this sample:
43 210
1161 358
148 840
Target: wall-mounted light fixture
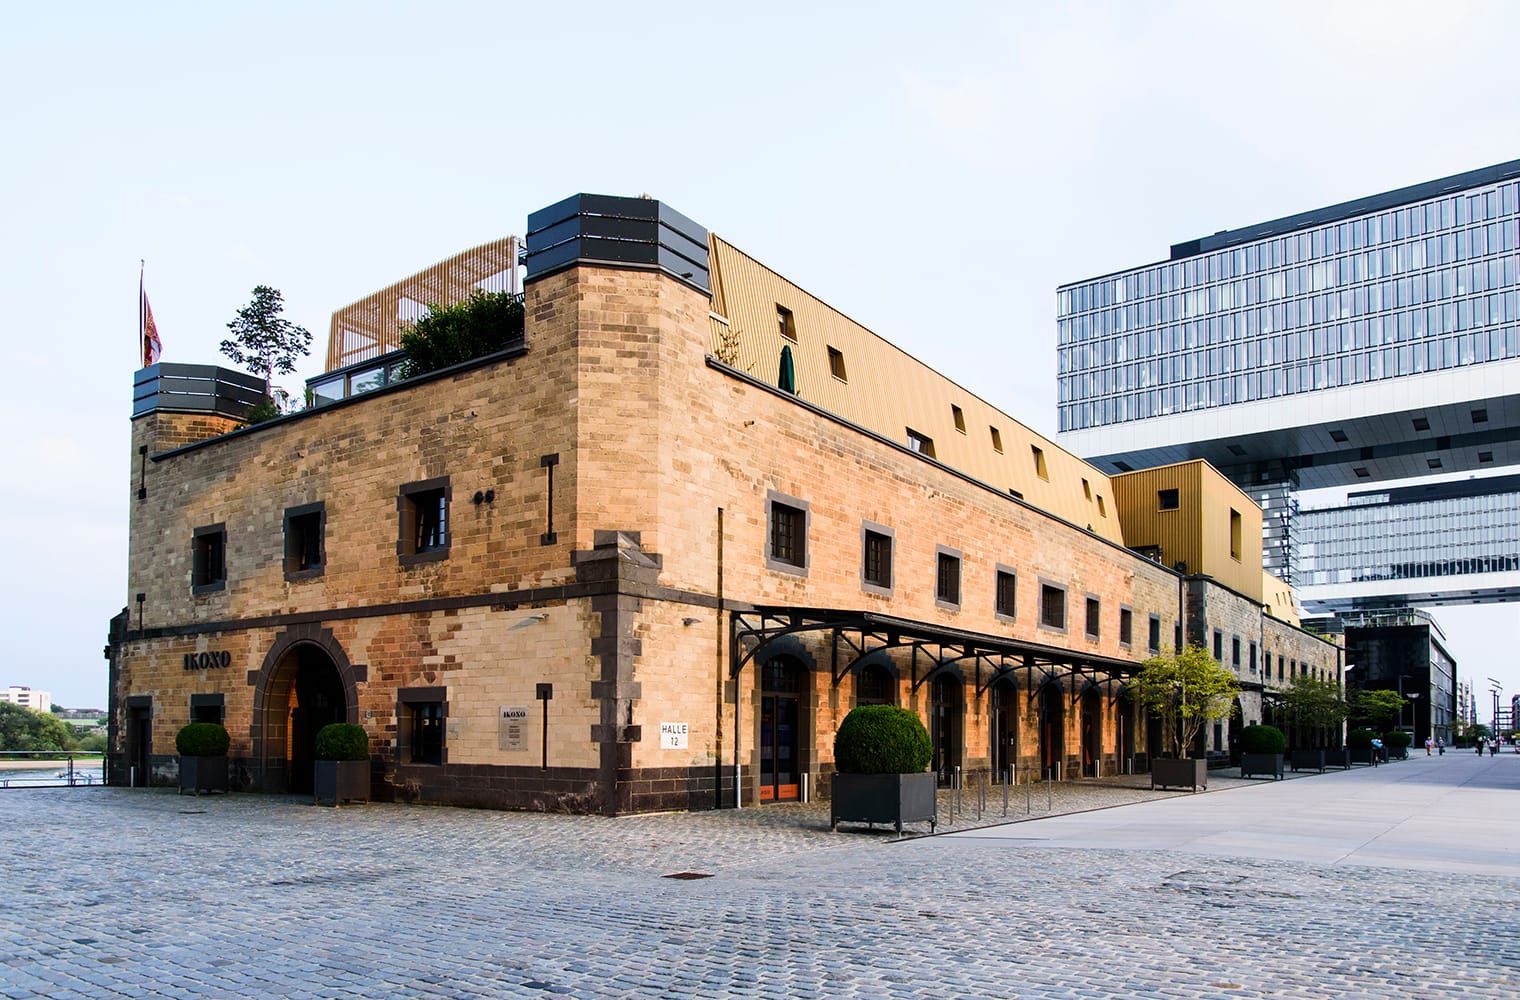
483 496
690 621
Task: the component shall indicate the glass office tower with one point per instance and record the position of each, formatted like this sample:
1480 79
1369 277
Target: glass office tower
1422 279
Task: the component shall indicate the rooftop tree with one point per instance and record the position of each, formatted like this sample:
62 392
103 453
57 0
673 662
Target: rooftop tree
263 341
483 324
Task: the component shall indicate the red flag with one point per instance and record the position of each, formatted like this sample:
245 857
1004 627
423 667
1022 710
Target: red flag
152 347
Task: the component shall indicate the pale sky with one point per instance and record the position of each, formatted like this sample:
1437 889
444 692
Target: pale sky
935 171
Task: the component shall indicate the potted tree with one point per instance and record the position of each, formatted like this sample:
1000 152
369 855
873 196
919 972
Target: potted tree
1184 691
202 748
342 767
1359 743
881 756
1261 751
1317 710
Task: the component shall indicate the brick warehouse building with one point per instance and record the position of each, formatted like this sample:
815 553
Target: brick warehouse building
687 523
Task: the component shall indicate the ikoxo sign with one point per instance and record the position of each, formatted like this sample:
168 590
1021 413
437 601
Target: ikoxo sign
208 661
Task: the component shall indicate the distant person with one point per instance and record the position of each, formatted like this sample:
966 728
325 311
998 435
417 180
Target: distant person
1430 746
1377 750
1441 746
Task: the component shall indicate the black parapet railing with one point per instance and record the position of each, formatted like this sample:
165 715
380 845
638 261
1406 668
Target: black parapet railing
195 389
639 233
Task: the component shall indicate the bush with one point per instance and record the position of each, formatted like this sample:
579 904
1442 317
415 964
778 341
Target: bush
202 739
881 739
1360 739
1397 740
1262 739
483 324
342 741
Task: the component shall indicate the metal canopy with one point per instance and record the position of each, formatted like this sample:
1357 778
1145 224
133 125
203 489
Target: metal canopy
854 635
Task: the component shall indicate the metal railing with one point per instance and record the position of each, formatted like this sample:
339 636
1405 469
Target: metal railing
54 768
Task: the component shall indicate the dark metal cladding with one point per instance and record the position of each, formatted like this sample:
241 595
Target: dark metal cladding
624 232
208 388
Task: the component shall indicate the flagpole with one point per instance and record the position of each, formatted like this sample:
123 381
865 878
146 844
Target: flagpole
142 329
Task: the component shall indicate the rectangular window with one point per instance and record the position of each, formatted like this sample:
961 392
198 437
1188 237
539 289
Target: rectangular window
424 516
876 559
788 535
947 586
1166 500
1126 626
1219 645
422 720
1153 641
785 322
1052 607
836 365
208 708
1094 617
997 440
920 443
1235 652
1087 490
1102 510
959 417
208 559
1252 658
1007 593
1039 462
1235 534
304 530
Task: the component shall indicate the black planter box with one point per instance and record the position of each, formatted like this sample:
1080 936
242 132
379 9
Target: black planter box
1303 760
892 799
1361 755
341 781
202 774
1270 764
1169 772
1338 758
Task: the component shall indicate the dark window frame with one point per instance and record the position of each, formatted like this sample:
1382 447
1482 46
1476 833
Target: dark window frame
1218 646
1092 617
202 578
300 517
886 668
1235 653
1153 634
1001 610
786 323
1126 626
943 556
867 584
1169 499
409 500
836 364
920 444
1052 586
804 510
201 706
408 702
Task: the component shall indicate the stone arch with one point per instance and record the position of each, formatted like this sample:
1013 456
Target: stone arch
272 684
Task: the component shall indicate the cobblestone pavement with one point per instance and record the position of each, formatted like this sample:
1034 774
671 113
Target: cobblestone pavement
145 893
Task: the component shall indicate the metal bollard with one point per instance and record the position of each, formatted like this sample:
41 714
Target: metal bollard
1028 793
1048 806
1005 793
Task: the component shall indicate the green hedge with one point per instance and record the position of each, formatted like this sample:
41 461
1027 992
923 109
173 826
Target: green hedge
1360 739
1262 739
342 741
1397 739
881 739
202 739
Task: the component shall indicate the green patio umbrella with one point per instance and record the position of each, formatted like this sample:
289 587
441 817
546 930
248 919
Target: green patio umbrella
788 378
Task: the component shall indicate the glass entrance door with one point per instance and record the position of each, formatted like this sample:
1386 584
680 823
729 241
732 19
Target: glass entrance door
1004 748
780 744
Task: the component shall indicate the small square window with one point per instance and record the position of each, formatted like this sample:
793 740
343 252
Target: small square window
1339 437
208 708
1167 500
836 365
424 516
1485 457
208 559
1480 415
947 578
785 322
920 443
422 716
1007 594
1153 640
959 417
1052 607
876 559
1421 424
1094 617
1361 473
1039 462
997 440
788 542
1434 463
304 530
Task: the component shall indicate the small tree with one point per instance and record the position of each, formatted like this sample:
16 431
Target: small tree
1185 690
1378 707
263 341
1313 704
483 324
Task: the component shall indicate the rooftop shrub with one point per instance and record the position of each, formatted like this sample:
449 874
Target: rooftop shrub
202 739
881 739
1262 739
342 741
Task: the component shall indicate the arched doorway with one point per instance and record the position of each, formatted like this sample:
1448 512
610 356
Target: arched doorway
1005 733
1092 732
303 690
874 685
1052 730
944 725
1237 722
782 683
1124 733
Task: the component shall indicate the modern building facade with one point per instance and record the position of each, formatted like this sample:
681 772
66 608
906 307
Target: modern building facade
1373 340
37 701
1405 652
649 556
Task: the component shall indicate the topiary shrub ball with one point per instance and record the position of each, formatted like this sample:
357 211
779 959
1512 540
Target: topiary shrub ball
1262 739
202 739
881 739
1397 739
342 741
1359 739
